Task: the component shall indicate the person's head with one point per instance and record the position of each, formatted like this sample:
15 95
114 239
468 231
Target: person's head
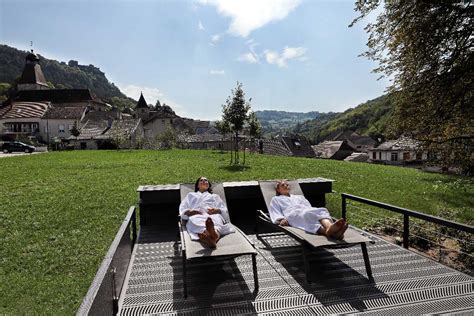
282 187
203 185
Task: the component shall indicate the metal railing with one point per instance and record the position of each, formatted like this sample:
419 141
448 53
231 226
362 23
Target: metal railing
103 294
407 213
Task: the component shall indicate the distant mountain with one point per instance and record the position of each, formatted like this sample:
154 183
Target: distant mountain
370 118
279 122
61 75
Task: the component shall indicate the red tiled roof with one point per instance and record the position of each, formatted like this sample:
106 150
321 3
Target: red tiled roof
24 110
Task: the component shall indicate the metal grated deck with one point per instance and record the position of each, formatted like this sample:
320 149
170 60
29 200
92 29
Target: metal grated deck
404 282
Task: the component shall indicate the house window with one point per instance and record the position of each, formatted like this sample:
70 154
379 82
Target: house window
380 155
171 121
418 156
394 157
61 128
374 155
406 156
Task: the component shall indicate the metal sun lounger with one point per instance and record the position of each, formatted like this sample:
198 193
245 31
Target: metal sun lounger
228 247
310 241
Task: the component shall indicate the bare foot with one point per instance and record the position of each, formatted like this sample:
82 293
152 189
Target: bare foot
204 238
335 227
340 234
211 230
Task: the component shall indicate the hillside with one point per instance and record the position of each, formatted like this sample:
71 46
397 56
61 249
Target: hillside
369 118
278 122
61 75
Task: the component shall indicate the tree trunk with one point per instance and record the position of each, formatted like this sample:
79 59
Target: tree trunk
237 160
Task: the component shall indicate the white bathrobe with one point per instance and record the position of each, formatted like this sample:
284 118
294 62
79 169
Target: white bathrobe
299 213
198 201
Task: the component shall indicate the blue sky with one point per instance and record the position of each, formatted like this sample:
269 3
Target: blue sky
293 55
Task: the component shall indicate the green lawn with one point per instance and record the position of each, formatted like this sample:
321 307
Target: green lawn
60 211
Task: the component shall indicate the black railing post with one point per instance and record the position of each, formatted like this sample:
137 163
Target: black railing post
344 206
134 228
406 230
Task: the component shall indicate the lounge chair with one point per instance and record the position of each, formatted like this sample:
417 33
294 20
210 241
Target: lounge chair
228 247
309 241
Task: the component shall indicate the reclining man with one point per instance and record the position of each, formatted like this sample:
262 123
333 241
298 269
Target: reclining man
295 210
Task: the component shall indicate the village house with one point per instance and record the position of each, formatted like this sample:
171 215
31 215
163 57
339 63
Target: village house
337 150
359 143
398 152
48 115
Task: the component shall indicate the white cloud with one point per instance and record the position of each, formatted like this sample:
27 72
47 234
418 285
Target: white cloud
217 72
200 26
249 15
249 58
215 38
151 95
289 53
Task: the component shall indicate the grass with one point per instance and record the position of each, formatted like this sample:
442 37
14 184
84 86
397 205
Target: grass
60 211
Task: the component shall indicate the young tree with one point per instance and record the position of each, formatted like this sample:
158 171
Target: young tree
235 112
255 128
75 131
426 47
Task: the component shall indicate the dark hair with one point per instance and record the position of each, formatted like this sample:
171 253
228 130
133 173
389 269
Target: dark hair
196 185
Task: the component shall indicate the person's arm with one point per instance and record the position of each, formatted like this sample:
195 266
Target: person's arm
219 207
185 208
276 214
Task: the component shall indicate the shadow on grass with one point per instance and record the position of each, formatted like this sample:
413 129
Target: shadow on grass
235 168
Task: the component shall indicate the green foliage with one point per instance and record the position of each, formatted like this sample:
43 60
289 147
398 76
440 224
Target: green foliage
236 108
74 130
168 139
426 47
235 114
255 129
56 227
369 118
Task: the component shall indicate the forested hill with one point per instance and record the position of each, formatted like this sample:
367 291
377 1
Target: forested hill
278 122
370 118
62 75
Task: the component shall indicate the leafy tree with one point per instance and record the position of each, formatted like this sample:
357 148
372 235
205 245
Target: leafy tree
168 139
235 113
74 130
255 129
426 48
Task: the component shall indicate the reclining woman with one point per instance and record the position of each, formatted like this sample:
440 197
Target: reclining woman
203 211
295 210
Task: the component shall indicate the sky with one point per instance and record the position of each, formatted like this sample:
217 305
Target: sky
290 55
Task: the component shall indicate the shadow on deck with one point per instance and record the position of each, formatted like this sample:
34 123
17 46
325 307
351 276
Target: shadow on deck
404 282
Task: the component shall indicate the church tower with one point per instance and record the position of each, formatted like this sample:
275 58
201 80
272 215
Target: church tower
32 77
142 110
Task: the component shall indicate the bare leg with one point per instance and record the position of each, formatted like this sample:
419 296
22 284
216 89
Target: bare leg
325 225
